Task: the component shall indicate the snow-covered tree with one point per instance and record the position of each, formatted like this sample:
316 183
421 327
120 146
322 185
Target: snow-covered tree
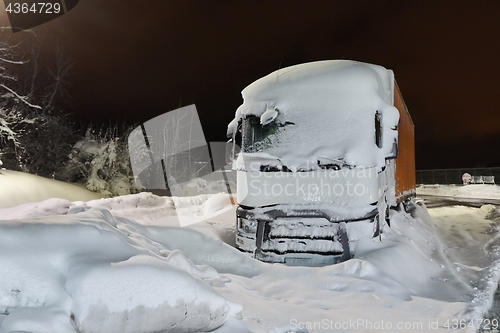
34 137
13 120
101 161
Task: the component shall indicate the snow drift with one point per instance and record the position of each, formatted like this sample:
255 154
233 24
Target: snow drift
17 188
92 272
124 264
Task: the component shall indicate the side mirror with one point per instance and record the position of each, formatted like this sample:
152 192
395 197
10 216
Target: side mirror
229 151
232 149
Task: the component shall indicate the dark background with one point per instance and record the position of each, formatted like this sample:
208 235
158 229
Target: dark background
134 60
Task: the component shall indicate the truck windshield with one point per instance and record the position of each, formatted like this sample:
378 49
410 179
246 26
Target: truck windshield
256 137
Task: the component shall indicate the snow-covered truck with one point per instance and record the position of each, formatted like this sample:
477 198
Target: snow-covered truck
322 151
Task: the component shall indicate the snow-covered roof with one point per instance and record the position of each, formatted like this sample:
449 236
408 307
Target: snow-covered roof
332 104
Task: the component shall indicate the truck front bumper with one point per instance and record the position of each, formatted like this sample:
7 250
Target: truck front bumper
300 236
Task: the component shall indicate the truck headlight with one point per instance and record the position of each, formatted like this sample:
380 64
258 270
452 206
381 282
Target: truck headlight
248 226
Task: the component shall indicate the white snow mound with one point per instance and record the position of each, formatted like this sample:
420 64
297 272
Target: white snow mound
93 272
17 188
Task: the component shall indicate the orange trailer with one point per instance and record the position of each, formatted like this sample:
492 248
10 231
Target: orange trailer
405 175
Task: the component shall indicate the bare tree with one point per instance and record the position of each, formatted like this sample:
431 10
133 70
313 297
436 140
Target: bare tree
59 75
12 57
33 137
12 103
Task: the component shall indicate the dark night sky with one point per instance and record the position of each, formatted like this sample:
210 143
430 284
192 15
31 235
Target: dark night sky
134 60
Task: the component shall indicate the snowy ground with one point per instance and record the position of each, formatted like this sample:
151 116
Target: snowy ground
125 265
475 191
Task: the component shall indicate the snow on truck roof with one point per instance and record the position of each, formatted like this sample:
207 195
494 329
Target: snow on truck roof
332 105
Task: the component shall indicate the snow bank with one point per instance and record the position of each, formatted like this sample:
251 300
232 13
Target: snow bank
92 272
403 283
412 254
327 110
85 268
17 188
474 191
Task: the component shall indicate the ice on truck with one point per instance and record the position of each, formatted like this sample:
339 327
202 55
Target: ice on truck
317 161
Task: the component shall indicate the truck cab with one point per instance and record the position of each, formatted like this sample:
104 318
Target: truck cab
319 161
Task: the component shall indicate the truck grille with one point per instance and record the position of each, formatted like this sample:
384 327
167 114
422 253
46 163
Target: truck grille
295 235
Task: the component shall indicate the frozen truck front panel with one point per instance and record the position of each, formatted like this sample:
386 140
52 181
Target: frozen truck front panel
316 165
345 187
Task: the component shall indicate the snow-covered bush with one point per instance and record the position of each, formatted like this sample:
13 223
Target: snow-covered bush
101 161
46 149
14 125
8 136
38 143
